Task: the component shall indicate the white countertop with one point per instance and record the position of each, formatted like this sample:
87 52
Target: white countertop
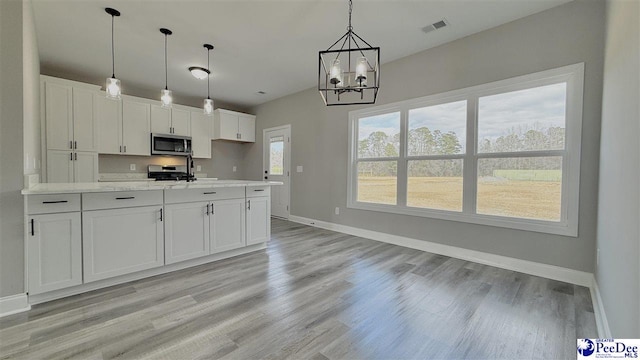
66 188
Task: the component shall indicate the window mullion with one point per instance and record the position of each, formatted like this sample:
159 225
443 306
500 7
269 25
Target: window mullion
470 166
402 160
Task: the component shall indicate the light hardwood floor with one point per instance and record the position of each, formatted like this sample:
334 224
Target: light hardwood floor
313 294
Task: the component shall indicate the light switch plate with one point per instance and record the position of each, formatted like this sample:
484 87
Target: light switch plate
299 168
234 169
132 167
198 167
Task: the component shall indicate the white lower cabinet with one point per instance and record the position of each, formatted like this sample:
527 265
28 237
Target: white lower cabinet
227 225
258 220
121 241
186 231
55 251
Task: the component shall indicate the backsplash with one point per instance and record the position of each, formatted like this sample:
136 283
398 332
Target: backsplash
224 156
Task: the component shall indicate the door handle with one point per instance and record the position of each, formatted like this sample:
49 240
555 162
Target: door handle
160 214
33 230
266 177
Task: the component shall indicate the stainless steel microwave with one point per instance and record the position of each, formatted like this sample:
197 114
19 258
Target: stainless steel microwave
166 144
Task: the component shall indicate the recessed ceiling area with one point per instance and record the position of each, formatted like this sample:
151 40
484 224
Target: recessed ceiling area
269 46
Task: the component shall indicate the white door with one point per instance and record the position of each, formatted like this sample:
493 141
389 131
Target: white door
59 166
247 128
85 166
180 122
84 122
277 163
258 224
228 125
121 241
227 225
201 134
136 138
55 252
186 231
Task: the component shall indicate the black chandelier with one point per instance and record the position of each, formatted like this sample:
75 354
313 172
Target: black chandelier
349 75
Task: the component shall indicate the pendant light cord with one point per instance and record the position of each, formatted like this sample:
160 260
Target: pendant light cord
166 76
113 57
208 74
350 9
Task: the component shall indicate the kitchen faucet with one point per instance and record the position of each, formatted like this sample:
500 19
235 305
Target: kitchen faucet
190 175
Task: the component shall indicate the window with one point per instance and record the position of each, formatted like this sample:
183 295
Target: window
504 154
276 156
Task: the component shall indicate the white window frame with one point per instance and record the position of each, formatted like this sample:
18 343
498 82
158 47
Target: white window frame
572 75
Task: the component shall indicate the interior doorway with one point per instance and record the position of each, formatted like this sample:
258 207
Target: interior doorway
277 167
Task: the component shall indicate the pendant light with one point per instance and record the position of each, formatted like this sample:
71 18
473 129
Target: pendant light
112 86
350 74
166 97
208 102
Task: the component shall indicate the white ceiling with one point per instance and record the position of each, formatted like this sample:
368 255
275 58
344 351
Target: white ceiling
260 45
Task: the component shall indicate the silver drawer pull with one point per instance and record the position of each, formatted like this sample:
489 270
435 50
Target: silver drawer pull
258 190
55 202
209 192
126 198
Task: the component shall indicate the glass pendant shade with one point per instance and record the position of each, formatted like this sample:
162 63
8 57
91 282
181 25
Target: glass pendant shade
208 107
336 73
361 72
113 89
199 73
166 98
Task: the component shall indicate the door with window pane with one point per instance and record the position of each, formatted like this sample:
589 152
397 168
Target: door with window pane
276 151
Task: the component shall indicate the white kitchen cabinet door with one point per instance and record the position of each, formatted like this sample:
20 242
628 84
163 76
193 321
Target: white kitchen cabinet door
201 134
227 225
58 116
55 252
160 120
84 122
85 166
108 115
59 166
121 241
181 122
258 220
247 128
186 231
226 126
136 137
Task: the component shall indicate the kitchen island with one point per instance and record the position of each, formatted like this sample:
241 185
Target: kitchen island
85 236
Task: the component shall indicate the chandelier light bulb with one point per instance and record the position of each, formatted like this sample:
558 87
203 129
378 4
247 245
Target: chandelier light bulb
336 73
361 72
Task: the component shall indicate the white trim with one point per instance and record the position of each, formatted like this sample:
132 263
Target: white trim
79 289
14 304
572 75
598 310
504 262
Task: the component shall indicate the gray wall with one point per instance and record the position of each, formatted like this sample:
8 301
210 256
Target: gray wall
11 150
564 35
618 272
224 156
31 91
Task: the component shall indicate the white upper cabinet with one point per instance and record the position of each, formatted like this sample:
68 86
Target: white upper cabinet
201 134
136 136
109 123
59 116
234 126
170 121
84 122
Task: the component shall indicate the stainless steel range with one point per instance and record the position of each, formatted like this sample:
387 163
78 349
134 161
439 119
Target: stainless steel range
170 172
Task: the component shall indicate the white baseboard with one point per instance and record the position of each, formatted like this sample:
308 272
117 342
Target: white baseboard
598 309
14 304
504 262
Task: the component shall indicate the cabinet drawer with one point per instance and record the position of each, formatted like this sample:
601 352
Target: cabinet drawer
53 203
174 196
255 191
120 199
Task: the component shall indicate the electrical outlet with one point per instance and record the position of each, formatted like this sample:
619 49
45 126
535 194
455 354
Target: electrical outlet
337 210
598 257
299 168
234 169
132 167
198 167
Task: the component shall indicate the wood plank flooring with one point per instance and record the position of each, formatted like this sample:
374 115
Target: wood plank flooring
313 294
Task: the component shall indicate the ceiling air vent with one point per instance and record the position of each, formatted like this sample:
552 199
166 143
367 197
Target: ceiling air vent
435 26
